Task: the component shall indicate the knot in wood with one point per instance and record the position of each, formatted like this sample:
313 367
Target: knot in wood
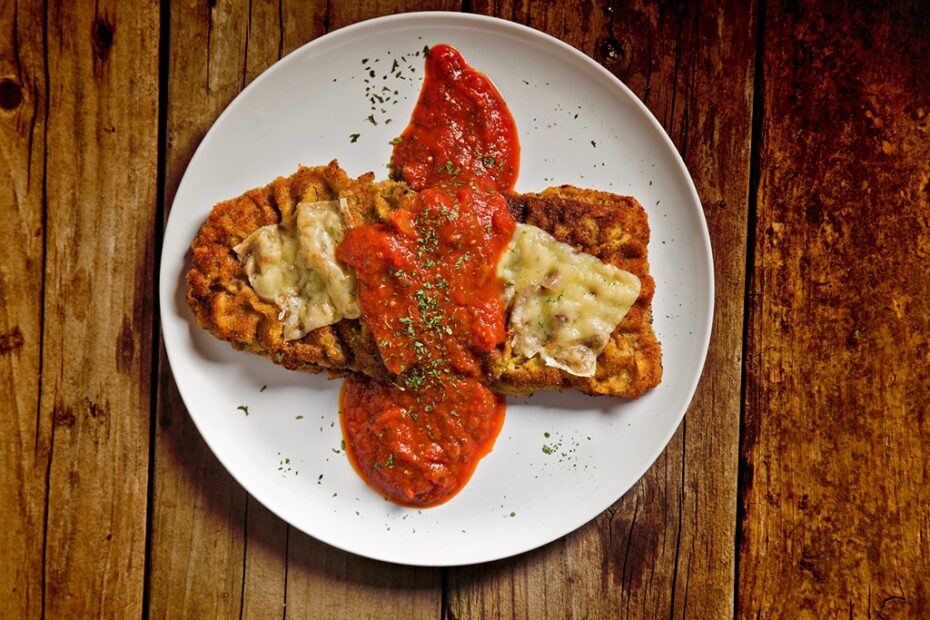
11 95
102 34
610 50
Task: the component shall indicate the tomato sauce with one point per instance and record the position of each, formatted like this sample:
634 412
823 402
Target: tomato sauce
429 293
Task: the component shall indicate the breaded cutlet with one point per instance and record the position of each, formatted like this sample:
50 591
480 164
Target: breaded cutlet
612 228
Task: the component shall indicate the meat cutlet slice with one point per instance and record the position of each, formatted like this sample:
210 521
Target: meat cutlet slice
610 227
614 229
225 304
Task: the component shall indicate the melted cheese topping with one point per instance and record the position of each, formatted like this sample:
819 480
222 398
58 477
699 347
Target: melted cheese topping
564 303
293 265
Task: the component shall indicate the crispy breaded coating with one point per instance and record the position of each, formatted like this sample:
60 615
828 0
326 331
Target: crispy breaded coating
612 228
224 303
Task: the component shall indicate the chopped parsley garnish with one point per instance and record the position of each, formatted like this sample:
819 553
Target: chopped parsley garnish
371 119
397 140
353 138
278 356
548 449
243 408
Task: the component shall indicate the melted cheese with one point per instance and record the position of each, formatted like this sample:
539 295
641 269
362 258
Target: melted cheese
293 265
564 303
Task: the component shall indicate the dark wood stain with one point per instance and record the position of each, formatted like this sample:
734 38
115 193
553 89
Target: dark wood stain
11 341
125 347
103 32
63 416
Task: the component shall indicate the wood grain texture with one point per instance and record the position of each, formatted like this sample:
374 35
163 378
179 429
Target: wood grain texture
342 13
666 548
836 449
24 448
97 334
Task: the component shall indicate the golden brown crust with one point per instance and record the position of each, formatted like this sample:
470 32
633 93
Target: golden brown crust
223 302
613 228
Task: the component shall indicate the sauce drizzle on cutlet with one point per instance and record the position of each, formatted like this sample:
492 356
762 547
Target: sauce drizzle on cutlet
429 292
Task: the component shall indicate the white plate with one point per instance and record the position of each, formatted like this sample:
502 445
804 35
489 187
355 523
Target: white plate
577 124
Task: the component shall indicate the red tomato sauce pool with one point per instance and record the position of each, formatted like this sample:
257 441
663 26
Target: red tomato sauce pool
429 293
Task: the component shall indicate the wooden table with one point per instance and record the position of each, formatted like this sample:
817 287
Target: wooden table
798 484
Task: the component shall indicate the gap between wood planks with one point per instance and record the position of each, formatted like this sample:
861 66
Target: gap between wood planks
51 439
158 228
755 171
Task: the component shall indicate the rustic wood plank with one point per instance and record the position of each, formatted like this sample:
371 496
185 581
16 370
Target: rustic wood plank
97 352
324 582
345 13
836 449
666 548
24 450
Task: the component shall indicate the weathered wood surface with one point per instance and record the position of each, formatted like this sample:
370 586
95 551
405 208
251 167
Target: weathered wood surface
837 432
78 110
829 196
24 435
101 168
666 548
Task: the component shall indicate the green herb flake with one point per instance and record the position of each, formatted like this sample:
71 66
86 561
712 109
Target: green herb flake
263 388
390 460
353 138
548 449
397 140
244 409
278 357
299 417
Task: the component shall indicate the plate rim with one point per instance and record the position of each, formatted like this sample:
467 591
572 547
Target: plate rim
167 285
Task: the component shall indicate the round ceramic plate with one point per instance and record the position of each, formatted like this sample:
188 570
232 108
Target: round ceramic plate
562 458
